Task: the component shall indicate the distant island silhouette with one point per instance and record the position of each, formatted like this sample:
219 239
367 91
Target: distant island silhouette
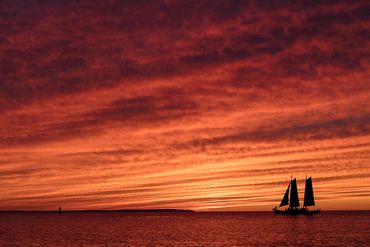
164 210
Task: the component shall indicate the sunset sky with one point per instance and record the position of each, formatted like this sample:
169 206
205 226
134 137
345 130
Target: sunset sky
203 105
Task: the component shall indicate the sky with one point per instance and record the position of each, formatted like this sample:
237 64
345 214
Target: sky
203 105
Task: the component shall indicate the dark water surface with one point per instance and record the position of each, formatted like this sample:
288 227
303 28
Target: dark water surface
184 229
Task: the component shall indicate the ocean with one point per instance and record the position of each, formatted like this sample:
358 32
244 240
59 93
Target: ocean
348 228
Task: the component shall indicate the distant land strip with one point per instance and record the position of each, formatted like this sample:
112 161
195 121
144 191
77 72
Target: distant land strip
118 210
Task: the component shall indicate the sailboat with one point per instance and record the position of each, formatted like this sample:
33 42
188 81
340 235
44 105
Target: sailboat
294 206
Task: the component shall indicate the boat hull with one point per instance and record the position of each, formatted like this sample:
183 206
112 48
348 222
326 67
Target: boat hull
295 211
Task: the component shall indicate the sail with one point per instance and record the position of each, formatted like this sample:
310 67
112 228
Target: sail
285 200
308 193
294 201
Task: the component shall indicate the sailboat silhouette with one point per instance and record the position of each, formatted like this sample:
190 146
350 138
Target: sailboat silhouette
294 206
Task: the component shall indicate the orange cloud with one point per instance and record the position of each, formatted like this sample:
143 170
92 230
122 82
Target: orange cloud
202 105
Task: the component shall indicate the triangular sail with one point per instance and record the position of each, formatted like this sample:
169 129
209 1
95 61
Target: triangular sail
285 200
308 193
294 201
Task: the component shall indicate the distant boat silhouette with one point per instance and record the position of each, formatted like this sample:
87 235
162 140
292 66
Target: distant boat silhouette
294 206
60 210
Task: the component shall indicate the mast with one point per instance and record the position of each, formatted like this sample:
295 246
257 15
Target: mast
285 200
294 200
309 200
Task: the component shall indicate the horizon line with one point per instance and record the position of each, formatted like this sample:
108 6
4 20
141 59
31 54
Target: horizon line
163 210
